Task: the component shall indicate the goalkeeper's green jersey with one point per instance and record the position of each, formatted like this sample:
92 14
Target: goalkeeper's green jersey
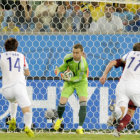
79 68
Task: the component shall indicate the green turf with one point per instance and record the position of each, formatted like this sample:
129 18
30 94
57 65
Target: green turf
43 136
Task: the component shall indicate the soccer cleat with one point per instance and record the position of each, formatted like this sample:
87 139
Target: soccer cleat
116 133
58 124
29 132
110 121
80 131
12 124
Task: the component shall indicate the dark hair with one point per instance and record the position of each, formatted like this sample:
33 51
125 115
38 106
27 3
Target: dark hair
110 5
136 47
78 46
60 3
11 44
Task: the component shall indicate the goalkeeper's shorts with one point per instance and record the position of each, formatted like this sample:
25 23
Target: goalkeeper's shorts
80 87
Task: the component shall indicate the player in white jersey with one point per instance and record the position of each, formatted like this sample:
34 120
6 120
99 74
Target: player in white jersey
14 69
129 86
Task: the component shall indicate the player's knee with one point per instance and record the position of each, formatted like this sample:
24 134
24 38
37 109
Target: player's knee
83 103
26 109
63 100
83 99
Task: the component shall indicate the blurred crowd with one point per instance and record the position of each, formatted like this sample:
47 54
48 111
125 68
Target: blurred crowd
68 16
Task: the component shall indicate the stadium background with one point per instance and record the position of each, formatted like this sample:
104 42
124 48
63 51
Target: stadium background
44 52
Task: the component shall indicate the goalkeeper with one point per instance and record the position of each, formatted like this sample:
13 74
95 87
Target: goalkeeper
78 65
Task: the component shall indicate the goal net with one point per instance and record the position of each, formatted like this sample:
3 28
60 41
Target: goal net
46 32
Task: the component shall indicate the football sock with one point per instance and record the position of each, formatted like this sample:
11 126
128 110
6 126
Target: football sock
131 105
13 110
60 110
28 119
122 124
82 112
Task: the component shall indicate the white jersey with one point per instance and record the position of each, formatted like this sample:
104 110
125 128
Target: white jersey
12 65
132 67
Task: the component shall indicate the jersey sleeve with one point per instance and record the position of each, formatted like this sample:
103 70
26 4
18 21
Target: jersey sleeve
119 63
25 64
81 74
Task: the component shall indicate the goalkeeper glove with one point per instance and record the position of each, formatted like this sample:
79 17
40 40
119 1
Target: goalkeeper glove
65 78
56 71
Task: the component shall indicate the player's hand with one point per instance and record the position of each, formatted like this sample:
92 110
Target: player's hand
56 71
64 77
103 79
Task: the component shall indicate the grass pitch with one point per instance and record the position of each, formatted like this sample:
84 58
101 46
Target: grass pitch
51 136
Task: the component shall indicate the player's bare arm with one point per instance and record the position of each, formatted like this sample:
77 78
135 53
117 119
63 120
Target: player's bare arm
108 68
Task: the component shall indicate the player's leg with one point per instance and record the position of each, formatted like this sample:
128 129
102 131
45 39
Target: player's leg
61 106
118 115
134 95
25 104
28 120
122 100
127 118
60 111
66 92
9 94
27 116
13 111
81 89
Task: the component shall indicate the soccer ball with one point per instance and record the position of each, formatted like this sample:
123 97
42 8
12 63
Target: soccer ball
68 74
51 114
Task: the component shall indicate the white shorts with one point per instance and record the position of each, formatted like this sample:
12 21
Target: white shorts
126 91
17 93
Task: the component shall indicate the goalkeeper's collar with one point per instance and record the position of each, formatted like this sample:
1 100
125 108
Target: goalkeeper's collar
76 61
